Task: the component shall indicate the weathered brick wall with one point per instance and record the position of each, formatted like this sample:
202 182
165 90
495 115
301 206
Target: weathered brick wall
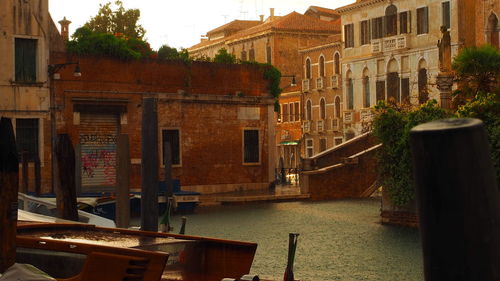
344 180
200 100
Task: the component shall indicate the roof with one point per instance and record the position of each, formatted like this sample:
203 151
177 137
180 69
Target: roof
292 22
331 41
356 5
235 25
323 11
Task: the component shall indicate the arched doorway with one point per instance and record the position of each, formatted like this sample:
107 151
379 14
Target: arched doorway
393 81
492 31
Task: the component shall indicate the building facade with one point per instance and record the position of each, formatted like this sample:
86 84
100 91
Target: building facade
390 53
221 140
322 97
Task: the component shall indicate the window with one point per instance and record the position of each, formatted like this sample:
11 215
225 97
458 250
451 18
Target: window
292 116
322 144
338 141
380 90
322 109
349 35
309 147
297 111
243 55
493 31
27 137
309 110
322 66
365 32
172 137
25 69
268 54
337 107
405 90
350 93
391 21
285 112
308 68
446 14
422 20
251 146
251 55
404 22
377 27
423 95
337 63
366 91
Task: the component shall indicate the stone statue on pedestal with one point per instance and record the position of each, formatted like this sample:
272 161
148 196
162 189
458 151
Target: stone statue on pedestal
444 46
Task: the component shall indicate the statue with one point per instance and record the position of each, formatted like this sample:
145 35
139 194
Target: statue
444 46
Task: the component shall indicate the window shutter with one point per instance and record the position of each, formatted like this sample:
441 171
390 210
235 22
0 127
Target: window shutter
409 21
426 19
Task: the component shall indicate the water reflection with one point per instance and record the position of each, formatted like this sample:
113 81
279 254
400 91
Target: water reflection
339 240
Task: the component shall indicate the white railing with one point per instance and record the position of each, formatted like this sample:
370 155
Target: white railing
376 46
348 117
335 81
319 83
366 115
390 43
305 85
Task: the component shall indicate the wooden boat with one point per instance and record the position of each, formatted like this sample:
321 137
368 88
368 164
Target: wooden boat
74 251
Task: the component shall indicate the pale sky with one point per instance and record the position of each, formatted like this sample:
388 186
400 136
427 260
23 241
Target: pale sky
181 23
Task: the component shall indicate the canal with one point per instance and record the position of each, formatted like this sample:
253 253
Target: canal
339 240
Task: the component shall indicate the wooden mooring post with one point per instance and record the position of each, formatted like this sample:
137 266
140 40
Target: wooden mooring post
123 182
149 167
458 200
9 181
66 189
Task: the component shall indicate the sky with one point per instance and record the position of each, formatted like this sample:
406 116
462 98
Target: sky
181 23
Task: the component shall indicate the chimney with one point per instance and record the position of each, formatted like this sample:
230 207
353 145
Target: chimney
261 18
271 12
65 28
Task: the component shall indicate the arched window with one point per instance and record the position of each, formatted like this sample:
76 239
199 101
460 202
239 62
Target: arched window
322 109
308 68
366 89
337 63
423 94
308 110
493 30
322 66
393 81
391 20
251 54
349 91
337 107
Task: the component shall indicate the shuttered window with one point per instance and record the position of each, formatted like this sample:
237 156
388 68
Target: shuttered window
366 90
350 94
25 68
172 137
365 32
377 28
380 90
405 90
297 111
404 22
27 137
423 20
349 35
251 146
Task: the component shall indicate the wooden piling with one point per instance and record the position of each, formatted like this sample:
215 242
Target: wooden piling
458 200
66 189
9 181
123 182
167 156
149 167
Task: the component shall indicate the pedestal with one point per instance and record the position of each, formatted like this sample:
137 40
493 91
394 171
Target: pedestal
444 83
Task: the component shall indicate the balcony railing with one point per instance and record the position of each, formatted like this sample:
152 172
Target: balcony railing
305 85
335 81
390 43
319 83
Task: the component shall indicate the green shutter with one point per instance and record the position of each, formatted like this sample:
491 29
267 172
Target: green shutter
25 60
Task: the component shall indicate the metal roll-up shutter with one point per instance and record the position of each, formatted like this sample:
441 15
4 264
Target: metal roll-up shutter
98 133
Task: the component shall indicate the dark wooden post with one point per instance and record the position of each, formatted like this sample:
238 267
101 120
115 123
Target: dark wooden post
66 191
123 182
167 156
149 175
458 200
38 176
25 175
9 181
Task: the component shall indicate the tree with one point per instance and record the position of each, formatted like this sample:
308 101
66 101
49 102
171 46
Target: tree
223 56
120 21
168 53
477 70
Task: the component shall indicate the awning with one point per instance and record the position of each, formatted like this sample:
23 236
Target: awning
289 143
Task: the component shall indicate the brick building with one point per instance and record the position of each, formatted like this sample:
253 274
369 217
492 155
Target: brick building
220 140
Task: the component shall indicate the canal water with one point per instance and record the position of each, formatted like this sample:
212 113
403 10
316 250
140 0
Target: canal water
339 240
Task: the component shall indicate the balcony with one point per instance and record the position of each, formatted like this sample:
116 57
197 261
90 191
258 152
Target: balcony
348 117
335 81
319 83
388 44
305 85
366 115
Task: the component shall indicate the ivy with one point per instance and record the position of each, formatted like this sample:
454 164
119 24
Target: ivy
392 125
273 76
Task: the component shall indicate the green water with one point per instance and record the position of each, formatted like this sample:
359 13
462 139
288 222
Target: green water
339 240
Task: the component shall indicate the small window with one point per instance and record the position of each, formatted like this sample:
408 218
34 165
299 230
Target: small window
268 54
27 137
391 21
322 145
308 68
292 115
284 113
322 109
446 14
172 137
251 146
309 147
297 111
422 20
365 32
350 93
322 66
25 69
337 63
337 107
309 110
349 35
